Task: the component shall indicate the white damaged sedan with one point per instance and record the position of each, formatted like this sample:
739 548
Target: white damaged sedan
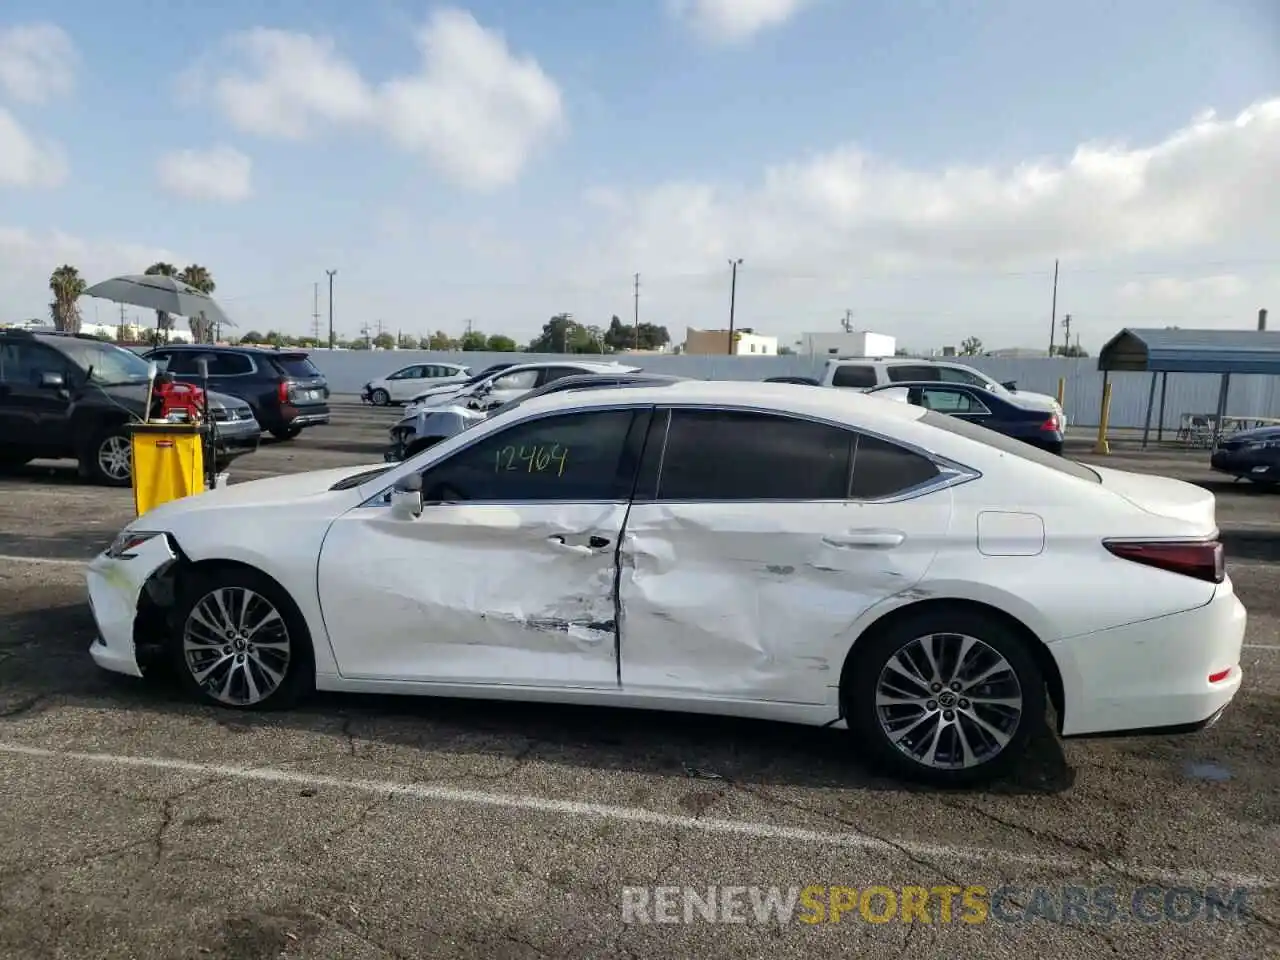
764 550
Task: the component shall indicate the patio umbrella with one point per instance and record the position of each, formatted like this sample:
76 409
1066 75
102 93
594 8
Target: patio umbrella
160 293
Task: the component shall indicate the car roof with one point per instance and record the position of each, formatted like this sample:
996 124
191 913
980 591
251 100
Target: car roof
913 361
585 365
821 402
232 348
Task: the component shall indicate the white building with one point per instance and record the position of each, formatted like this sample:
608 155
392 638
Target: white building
851 343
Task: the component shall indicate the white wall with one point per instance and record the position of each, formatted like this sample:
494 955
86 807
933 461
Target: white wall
854 344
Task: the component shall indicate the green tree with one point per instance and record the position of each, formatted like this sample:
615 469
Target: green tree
164 322
358 344
67 286
562 334
253 336
970 347
439 341
501 343
384 341
474 340
1072 351
194 275
622 336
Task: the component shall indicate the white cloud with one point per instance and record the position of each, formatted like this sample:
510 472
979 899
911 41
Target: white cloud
474 110
217 173
26 161
734 21
1209 183
37 62
1174 290
27 257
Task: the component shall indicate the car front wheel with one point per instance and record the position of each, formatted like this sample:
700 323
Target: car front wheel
380 398
950 697
285 433
241 642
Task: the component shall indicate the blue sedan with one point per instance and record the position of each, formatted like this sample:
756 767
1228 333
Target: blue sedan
1034 425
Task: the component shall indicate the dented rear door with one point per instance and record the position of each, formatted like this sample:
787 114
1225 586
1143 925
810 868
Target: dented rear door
730 590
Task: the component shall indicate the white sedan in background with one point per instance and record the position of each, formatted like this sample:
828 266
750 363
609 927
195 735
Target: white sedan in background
407 382
512 383
761 550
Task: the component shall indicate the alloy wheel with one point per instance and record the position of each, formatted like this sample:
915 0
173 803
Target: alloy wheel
236 646
115 458
949 701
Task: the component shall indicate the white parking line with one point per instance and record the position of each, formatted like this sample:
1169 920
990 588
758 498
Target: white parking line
431 793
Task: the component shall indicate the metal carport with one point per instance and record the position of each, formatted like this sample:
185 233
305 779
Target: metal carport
1162 352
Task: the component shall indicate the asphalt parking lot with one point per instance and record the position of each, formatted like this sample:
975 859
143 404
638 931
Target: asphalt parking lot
134 824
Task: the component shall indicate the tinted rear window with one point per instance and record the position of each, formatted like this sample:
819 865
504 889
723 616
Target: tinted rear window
854 376
1009 445
297 366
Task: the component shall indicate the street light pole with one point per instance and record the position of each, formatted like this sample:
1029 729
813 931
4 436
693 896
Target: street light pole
331 273
733 296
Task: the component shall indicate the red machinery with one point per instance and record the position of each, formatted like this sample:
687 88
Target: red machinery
183 399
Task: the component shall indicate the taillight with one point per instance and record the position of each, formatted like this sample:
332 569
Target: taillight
1201 559
283 390
1051 425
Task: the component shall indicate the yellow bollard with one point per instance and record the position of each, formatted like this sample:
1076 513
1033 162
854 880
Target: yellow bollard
1102 446
1062 392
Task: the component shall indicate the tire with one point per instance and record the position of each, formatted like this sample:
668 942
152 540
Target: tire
191 647
380 398
947 630
285 433
102 460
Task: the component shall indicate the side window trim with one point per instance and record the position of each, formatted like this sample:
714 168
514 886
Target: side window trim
950 473
383 497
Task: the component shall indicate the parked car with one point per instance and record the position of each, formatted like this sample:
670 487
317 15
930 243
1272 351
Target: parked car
806 381
863 373
1250 455
1008 415
284 388
712 547
72 396
429 426
453 388
407 382
515 381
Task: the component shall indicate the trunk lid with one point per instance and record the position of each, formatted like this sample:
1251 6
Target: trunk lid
1165 497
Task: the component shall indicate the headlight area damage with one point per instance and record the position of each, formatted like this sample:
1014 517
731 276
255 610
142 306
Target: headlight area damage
132 587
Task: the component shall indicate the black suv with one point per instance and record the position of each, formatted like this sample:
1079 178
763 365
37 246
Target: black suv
72 396
283 387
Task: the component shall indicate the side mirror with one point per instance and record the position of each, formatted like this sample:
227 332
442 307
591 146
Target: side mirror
1010 385
406 497
53 381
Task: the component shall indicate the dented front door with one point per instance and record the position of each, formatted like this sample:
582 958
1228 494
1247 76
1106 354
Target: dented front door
475 593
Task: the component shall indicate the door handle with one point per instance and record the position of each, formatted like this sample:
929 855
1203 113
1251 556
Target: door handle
578 548
871 539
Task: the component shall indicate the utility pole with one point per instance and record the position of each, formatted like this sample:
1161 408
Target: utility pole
1053 311
847 323
637 323
1066 328
1262 319
733 297
315 312
331 274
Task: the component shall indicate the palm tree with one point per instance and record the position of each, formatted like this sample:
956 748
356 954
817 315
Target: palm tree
164 322
67 286
200 278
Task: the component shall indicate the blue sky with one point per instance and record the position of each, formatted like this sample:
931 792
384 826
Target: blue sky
647 147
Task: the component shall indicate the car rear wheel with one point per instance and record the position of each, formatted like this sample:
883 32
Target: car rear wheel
109 460
241 642
285 433
380 397
950 697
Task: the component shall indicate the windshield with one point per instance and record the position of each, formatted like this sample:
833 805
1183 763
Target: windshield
109 363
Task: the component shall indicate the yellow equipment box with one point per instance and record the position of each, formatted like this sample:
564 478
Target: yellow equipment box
168 462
